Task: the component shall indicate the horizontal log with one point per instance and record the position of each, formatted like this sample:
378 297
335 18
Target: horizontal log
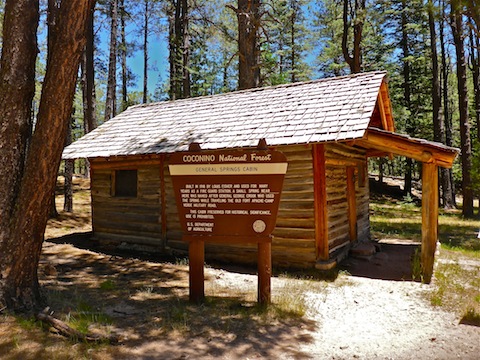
154 243
339 234
127 233
293 244
299 223
142 209
130 227
344 151
104 178
341 162
130 239
297 195
101 184
336 193
124 163
337 221
336 247
293 205
114 216
173 234
299 166
293 214
293 233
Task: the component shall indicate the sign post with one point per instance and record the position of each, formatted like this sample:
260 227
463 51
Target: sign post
229 196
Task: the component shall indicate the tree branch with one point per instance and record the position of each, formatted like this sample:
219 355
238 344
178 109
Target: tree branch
71 333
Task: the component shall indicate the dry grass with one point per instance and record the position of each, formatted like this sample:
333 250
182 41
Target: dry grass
457 273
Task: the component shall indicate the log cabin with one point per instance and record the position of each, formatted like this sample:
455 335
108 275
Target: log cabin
327 129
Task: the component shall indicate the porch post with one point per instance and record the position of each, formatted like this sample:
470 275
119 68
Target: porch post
429 219
352 203
320 202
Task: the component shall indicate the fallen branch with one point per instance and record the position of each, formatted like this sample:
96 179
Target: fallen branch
71 333
4 308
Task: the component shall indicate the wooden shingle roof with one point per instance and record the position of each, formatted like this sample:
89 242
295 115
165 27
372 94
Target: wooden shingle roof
327 110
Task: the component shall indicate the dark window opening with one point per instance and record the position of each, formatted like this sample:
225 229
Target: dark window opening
126 183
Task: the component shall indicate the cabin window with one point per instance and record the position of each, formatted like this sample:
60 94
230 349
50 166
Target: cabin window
125 183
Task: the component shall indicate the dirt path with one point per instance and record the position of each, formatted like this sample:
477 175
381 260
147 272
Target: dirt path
378 319
354 317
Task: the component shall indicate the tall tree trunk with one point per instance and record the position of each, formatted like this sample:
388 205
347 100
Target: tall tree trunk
171 14
88 74
123 52
26 191
293 55
145 52
52 13
88 83
357 18
110 102
456 23
475 60
179 46
68 174
438 124
248 16
449 185
185 49
407 94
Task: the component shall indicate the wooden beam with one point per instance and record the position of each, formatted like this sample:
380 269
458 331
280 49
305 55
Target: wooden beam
264 272
387 107
342 162
163 204
320 201
429 219
352 203
124 163
196 258
92 208
381 107
403 145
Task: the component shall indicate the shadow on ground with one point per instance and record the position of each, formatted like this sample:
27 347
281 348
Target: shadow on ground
393 261
144 296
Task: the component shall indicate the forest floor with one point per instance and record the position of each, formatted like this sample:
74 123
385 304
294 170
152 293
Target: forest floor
366 309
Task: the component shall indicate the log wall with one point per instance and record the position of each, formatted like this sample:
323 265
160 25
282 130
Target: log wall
142 220
135 220
338 158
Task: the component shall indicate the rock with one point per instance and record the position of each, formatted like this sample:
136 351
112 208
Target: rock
363 249
50 270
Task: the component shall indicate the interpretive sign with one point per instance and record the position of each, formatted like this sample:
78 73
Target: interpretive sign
228 196
234 193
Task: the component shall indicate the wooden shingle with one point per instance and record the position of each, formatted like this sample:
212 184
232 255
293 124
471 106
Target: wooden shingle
326 110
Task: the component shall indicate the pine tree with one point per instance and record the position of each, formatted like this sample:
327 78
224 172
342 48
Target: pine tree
111 98
248 18
24 167
328 26
449 188
457 25
353 21
179 48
